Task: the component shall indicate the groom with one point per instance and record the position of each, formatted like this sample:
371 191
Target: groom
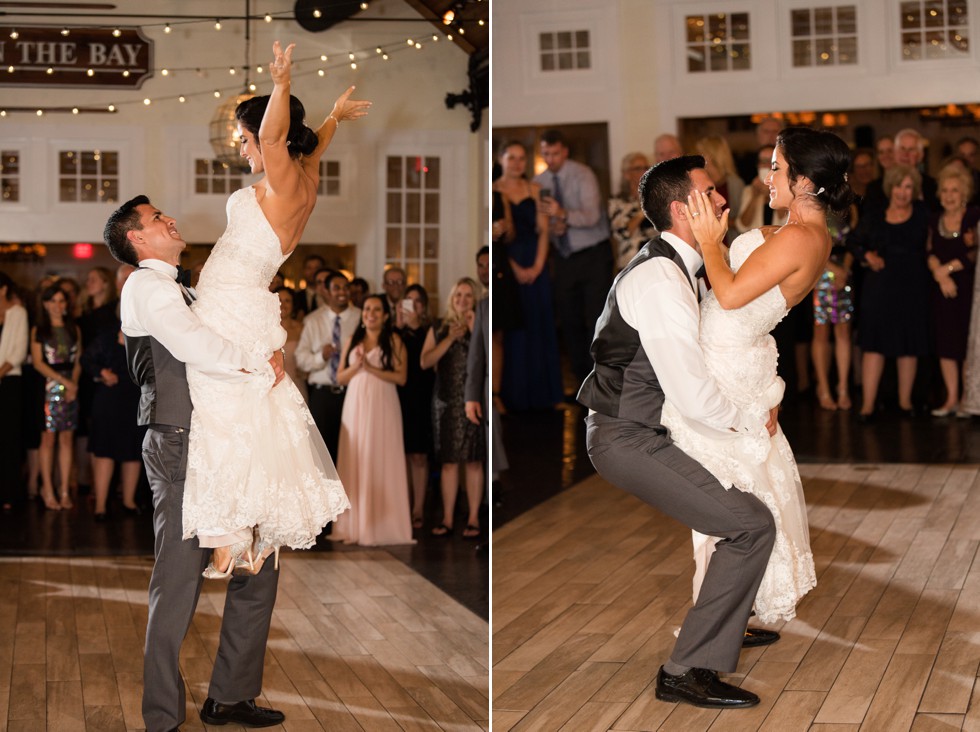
163 334
646 350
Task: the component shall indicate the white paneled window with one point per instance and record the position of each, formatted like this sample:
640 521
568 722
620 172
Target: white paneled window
329 178
825 36
565 50
88 176
412 225
718 42
9 176
213 176
934 29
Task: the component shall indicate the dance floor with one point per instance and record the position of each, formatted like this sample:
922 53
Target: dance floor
589 585
359 641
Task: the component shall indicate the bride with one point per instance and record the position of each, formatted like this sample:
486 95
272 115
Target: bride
258 473
771 270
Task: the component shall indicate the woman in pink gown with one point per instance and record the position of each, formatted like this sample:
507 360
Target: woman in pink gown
371 454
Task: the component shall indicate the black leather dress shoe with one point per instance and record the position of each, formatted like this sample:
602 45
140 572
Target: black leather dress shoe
701 687
759 637
244 713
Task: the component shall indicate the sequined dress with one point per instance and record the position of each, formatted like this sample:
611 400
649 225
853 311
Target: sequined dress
60 351
833 301
255 457
741 356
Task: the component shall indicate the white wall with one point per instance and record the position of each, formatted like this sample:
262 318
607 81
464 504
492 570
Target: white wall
158 142
641 87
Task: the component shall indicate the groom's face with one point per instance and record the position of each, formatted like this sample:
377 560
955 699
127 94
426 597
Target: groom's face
158 238
703 183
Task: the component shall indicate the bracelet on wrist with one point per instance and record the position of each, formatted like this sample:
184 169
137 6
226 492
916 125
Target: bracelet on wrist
330 116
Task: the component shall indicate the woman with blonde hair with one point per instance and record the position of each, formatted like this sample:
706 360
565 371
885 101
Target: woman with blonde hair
457 440
630 227
720 167
952 259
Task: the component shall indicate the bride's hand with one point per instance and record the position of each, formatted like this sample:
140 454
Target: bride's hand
707 228
346 108
282 63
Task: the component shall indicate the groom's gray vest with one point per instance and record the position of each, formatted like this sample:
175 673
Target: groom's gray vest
165 398
623 383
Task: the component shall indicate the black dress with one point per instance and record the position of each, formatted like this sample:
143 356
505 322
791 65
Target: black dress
416 395
456 438
951 315
113 432
894 302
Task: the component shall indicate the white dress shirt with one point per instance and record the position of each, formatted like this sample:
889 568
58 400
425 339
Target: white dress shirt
658 301
318 332
152 304
13 340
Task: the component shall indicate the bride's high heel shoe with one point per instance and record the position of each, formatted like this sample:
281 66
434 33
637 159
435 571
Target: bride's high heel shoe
237 552
263 550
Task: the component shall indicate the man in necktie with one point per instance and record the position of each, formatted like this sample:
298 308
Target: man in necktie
325 332
579 232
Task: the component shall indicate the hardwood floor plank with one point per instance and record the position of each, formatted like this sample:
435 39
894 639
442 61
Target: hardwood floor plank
568 697
823 662
897 699
937 722
793 711
65 710
953 674
594 717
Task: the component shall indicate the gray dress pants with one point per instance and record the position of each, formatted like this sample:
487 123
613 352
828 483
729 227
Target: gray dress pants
644 462
175 587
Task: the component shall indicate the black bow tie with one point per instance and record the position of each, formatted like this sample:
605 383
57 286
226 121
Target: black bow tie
183 276
700 274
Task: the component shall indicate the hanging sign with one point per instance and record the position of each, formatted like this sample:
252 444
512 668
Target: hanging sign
97 58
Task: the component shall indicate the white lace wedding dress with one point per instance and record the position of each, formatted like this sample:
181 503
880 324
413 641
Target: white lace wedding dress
255 458
741 357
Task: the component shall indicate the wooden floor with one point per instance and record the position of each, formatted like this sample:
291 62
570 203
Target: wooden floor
358 642
589 586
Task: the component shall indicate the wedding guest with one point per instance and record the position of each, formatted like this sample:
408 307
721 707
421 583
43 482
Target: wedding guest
393 282
13 353
73 292
325 331
371 460
579 231
291 319
630 227
894 305
359 289
531 367
415 396
666 147
952 260
457 440
56 350
308 299
833 308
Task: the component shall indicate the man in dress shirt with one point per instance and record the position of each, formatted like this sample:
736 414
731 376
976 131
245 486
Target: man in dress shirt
910 149
579 232
325 333
162 334
666 147
646 350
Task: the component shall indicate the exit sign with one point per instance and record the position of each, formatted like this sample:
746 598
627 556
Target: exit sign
87 57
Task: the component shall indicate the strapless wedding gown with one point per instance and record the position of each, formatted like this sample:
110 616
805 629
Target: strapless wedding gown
741 356
255 457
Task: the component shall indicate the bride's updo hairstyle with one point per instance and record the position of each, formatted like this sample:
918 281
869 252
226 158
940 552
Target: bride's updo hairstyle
822 157
301 140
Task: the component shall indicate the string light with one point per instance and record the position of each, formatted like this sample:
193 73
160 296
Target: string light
14 34
65 31
116 33
364 6
218 93
167 28
217 24
448 17
40 113
268 18
317 13
74 110
50 70
10 69
3 112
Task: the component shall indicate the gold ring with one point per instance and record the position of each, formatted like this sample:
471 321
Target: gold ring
696 213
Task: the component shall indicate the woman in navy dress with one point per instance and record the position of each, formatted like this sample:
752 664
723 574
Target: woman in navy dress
532 373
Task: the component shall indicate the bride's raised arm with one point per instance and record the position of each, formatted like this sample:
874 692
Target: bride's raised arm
282 176
343 109
769 265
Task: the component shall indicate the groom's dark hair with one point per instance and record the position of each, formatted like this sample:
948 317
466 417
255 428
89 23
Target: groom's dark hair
123 220
665 183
